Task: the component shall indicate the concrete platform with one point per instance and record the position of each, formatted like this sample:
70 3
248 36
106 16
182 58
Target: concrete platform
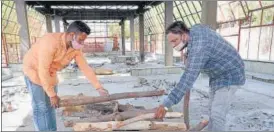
156 71
6 74
122 59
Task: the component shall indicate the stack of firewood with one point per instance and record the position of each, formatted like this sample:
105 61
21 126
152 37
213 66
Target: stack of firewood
104 114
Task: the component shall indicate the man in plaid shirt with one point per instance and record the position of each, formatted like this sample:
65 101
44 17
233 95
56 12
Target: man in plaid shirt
210 52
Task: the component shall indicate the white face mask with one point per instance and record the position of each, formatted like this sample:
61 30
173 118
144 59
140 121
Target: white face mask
180 46
76 45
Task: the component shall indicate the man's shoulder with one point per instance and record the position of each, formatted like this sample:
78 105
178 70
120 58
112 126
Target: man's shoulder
53 35
51 38
197 27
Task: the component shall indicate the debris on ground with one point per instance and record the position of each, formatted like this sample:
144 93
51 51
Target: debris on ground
259 120
10 97
156 84
8 107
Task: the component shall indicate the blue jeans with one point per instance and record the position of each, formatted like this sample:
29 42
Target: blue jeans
44 116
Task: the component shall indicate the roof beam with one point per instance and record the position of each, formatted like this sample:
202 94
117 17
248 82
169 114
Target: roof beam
84 3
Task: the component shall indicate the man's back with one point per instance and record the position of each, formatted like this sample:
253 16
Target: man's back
49 42
224 66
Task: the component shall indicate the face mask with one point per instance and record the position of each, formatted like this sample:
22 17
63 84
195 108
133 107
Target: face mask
180 46
75 44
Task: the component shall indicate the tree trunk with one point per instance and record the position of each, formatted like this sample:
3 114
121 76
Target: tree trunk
83 100
140 125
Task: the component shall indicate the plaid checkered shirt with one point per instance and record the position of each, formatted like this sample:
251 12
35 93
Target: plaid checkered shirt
211 53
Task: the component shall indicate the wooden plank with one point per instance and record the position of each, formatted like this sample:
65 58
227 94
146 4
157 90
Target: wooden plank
140 125
83 100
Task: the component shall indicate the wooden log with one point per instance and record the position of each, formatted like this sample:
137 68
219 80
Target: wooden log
82 100
103 71
125 114
200 126
140 125
119 117
186 108
144 117
84 110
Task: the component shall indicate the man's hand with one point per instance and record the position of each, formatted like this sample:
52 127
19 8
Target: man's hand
102 92
54 101
160 112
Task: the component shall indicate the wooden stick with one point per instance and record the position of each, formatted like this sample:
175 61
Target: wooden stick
200 126
186 108
120 117
125 115
90 100
84 110
112 117
144 117
140 125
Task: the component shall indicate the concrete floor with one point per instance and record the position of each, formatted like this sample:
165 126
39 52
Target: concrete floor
252 109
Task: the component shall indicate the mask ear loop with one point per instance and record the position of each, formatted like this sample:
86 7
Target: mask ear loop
185 45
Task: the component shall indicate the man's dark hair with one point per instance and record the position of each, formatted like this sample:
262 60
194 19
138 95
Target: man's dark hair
177 27
79 26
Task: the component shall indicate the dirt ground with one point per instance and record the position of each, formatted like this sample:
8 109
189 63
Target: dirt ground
252 109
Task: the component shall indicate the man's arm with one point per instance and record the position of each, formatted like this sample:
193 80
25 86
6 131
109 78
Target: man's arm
45 56
87 70
197 58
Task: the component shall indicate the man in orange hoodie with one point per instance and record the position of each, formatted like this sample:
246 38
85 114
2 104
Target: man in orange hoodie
53 52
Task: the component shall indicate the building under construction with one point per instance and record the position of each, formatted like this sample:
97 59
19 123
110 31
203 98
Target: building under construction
129 52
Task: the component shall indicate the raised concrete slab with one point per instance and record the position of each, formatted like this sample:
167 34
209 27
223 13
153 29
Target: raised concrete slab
16 67
268 78
69 74
156 71
6 74
259 66
122 59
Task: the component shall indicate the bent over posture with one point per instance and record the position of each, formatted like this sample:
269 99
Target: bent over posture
207 51
51 53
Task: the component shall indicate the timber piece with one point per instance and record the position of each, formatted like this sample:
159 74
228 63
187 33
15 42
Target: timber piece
80 108
119 116
186 108
200 126
140 125
71 123
125 114
82 100
85 111
144 117
103 71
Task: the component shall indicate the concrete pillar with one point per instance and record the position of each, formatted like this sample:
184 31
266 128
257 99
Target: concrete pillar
57 20
132 36
142 39
20 6
209 13
48 23
168 21
65 26
123 37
